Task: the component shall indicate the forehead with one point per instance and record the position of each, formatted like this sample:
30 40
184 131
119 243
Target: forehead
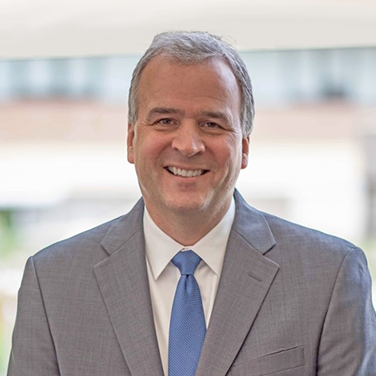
165 78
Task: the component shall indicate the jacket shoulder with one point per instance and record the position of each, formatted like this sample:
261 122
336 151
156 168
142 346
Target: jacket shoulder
83 245
298 238
89 243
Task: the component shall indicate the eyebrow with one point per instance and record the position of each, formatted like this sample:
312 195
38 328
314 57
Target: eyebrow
216 115
163 111
168 110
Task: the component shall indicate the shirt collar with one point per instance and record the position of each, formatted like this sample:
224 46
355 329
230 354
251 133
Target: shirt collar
160 248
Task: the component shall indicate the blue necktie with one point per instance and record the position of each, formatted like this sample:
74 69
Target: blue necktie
187 325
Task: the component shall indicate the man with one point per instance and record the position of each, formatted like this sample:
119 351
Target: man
263 297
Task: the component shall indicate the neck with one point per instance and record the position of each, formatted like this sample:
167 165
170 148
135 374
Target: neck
188 228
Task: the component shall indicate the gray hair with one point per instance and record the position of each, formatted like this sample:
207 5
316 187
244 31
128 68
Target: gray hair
193 48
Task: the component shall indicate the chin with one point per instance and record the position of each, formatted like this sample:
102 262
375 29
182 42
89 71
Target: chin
187 204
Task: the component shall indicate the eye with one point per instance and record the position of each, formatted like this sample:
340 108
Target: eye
211 125
164 121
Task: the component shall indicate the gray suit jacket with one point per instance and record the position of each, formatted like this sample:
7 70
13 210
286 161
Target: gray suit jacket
291 302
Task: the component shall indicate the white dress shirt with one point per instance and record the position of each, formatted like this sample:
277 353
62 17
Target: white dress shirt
164 276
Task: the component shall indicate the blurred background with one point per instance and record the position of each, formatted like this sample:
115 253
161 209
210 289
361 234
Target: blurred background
64 76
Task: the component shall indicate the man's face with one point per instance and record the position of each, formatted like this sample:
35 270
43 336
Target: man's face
187 143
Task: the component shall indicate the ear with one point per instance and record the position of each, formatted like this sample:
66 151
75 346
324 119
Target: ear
130 138
245 151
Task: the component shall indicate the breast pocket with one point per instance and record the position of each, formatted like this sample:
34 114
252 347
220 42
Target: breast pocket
284 360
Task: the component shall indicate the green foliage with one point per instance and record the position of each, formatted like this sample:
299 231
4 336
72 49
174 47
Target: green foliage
8 234
4 351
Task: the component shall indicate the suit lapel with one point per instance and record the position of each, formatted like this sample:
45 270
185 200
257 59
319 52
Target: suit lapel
123 282
245 281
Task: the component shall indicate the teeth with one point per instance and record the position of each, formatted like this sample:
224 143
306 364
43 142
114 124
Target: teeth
185 173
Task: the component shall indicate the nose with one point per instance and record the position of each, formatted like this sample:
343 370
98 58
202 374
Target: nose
188 140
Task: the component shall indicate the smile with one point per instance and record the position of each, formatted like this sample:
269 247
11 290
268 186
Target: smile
185 173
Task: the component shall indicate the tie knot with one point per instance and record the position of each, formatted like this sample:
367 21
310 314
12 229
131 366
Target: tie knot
186 261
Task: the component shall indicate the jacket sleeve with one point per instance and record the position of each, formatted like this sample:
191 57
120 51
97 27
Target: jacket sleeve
348 341
33 352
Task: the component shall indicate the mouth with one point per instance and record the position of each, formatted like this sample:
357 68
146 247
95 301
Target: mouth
185 173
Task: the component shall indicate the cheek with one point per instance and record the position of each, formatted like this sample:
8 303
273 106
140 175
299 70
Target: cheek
230 153
148 150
